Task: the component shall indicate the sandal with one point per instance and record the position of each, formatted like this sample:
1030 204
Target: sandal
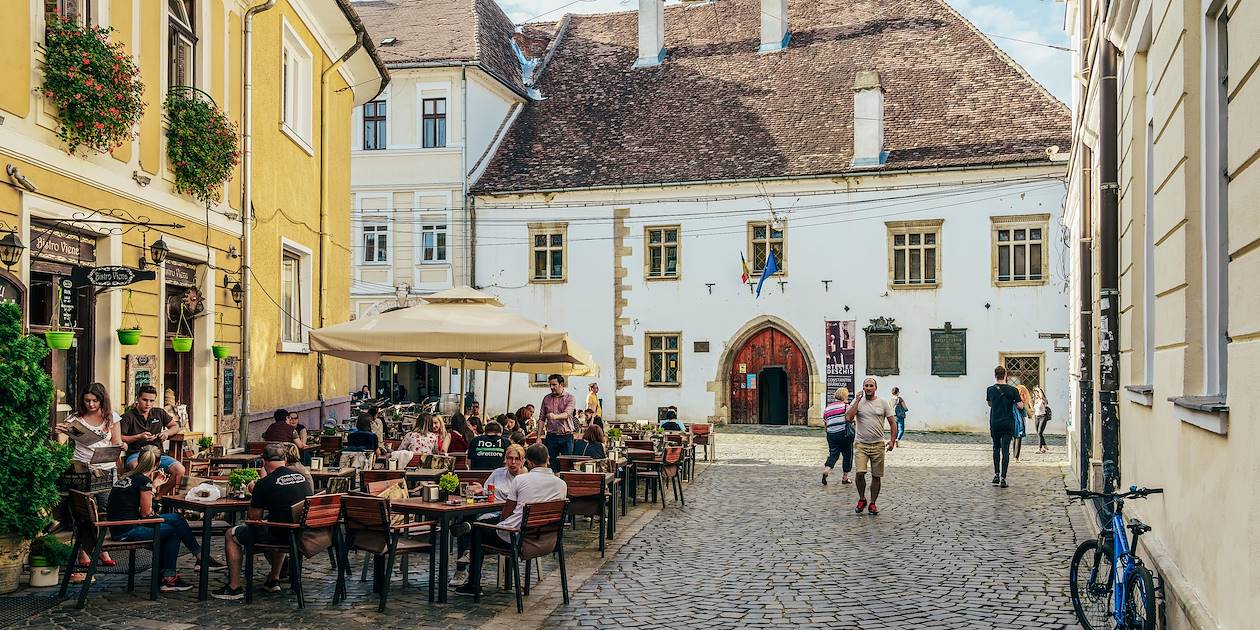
845 480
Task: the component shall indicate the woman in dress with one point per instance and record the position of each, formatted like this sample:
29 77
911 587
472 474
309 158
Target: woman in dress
422 441
839 436
94 412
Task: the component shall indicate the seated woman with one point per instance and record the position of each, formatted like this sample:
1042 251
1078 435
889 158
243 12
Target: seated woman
132 498
94 412
671 422
593 443
362 438
461 434
423 441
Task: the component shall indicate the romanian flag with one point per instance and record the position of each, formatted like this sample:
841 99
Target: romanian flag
747 273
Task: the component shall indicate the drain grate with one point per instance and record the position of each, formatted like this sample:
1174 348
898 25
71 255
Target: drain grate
14 610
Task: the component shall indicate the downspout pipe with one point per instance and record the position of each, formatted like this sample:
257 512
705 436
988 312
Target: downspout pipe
323 214
1109 267
247 208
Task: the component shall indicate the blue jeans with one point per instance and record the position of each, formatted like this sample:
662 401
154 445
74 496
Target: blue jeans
174 531
840 444
901 426
164 463
558 445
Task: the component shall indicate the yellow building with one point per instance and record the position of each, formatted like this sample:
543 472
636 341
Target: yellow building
311 65
1162 204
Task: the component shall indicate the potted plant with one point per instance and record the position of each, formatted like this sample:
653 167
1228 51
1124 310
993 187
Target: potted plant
220 351
204 445
448 483
29 463
239 478
202 143
614 436
179 342
129 336
48 555
55 337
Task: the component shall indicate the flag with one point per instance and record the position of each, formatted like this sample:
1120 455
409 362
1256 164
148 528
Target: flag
771 268
747 273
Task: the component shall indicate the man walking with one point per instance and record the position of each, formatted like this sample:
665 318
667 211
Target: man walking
1001 398
558 408
870 414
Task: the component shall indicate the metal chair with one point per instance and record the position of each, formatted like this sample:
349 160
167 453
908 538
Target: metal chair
89 536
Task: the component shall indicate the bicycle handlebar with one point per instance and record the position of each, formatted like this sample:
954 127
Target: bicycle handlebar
1133 493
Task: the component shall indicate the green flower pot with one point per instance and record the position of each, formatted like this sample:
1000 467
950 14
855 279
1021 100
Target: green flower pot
59 339
221 352
181 344
128 336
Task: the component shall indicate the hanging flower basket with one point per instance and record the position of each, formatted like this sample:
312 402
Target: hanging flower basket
221 352
202 144
94 83
181 344
59 339
128 336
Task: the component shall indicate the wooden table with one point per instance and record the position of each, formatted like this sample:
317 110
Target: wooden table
208 510
416 475
445 514
321 477
237 460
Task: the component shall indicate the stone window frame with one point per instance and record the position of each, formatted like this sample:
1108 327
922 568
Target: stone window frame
758 263
1011 223
649 246
665 351
549 230
1040 355
921 227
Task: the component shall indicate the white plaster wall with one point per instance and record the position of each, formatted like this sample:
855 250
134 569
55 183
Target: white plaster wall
488 105
839 237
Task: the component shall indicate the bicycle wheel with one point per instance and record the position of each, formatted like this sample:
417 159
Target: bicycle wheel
1139 588
1090 581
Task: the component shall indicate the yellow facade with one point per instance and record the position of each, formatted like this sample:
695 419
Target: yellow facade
292 184
1182 428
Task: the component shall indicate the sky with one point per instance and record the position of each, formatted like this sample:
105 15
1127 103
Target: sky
1039 21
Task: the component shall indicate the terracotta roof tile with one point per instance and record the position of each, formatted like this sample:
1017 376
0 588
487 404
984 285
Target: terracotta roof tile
715 109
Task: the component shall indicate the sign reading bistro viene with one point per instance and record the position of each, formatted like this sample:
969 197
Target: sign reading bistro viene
949 351
110 276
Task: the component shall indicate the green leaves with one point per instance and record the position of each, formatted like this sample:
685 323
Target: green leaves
202 144
94 83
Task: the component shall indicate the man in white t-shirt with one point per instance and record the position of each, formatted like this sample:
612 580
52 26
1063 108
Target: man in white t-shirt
538 485
869 414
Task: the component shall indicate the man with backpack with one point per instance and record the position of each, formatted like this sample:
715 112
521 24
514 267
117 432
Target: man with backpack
1002 399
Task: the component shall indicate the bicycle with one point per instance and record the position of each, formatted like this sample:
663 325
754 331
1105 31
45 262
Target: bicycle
1119 600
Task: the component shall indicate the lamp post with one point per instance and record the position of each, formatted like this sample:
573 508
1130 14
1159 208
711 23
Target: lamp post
11 249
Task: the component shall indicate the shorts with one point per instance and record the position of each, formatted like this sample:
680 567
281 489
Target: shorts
248 535
165 463
870 454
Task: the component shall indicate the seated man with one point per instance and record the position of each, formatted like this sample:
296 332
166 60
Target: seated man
146 424
538 485
671 422
273 499
486 450
284 429
362 438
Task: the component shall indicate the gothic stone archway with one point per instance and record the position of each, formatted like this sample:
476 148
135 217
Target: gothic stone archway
766 342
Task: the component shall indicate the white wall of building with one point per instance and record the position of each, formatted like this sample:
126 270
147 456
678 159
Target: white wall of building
836 236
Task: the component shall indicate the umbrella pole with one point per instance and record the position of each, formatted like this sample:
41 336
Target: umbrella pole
485 390
463 379
509 396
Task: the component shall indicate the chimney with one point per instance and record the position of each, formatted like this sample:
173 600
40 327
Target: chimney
868 120
774 26
651 33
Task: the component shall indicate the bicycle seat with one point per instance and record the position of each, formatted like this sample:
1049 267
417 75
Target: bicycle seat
1138 527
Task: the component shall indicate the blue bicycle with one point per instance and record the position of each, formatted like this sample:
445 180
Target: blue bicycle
1104 597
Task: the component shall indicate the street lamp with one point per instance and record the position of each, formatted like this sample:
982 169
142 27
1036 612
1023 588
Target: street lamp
11 249
159 250
401 292
238 294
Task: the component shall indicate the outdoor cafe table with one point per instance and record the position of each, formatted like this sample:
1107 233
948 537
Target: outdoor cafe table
208 510
237 460
321 476
445 514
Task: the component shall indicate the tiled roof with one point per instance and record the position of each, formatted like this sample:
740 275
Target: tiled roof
715 109
444 31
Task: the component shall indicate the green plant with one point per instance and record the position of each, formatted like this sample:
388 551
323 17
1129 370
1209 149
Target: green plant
54 552
205 443
202 144
448 482
29 463
330 430
241 477
93 82
614 434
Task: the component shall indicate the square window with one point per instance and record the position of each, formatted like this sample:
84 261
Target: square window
1019 251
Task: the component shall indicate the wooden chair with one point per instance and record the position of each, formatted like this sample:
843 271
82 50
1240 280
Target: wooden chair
337 485
321 512
589 496
89 536
470 476
198 467
642 445
568 462
367 477
541 533
461 460
330 448
643 466
255 448
702 435
369 529
671 462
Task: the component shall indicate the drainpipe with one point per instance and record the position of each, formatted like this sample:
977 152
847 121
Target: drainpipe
247 208
468 228
323 213
1109 268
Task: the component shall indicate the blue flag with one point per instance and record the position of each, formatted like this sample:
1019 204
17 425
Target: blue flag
771 268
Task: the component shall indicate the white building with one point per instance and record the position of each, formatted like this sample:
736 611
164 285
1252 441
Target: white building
668 142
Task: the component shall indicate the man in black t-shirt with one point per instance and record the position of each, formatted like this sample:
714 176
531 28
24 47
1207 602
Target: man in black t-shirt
146 424
1001 397
486 450
273 498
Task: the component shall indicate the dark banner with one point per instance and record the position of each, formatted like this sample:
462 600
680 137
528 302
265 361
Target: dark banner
841 354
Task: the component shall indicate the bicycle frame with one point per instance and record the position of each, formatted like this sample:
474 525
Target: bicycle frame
1122 565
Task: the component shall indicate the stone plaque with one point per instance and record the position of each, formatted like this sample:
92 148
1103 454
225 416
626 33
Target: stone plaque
949 351
701 346
882 347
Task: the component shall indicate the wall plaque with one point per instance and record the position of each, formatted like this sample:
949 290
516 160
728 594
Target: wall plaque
140 371
67 307
949 351
883 347
700 346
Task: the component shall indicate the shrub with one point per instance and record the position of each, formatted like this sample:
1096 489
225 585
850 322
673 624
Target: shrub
241 477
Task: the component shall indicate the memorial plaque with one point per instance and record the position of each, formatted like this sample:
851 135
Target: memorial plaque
949 351
883 347
140 369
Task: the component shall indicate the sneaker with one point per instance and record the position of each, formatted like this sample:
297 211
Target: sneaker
467 590
872 509
215 564
861 505
1003 485
461 578
995 480
227 592
272 586
174 584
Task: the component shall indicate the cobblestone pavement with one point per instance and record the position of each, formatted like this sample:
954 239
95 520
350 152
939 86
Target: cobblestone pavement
761 543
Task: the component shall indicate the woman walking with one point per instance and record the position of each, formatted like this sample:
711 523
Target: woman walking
1021 418
839 436
1041 411
899 409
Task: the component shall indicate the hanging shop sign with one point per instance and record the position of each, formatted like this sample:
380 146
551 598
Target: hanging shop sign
110 276
67 309
51 248
180 274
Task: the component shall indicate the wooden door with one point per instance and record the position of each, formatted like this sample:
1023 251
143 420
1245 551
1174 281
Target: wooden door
769 347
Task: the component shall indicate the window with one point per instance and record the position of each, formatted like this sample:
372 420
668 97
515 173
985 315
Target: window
434 123
291 298
1216 200
374 134
376 243
1023 369
295 78
914 253
662 364
80 10
550 256
1019 249
433 243
538 380
762 237
662 252
181 43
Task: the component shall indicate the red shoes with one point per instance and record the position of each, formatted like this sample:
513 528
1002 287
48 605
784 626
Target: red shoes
860 506
872 509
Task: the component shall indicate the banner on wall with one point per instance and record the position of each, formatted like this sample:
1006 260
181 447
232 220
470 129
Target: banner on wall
841 350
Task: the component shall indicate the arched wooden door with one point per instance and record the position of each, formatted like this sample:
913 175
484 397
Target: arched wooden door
769 347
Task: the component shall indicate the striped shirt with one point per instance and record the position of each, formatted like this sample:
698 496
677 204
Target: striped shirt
833 415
